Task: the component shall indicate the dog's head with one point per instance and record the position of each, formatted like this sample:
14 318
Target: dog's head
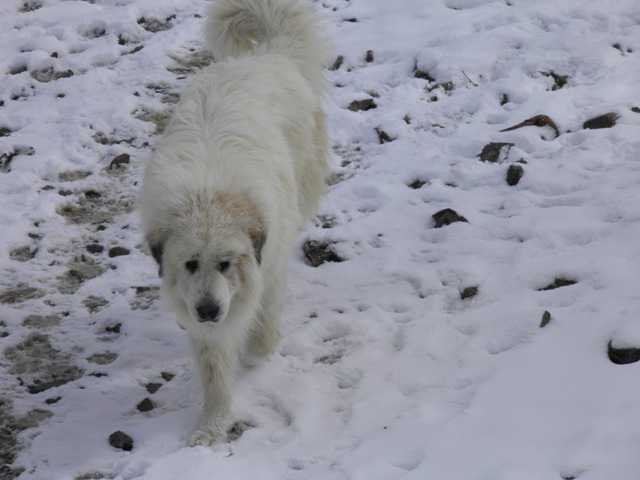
208 255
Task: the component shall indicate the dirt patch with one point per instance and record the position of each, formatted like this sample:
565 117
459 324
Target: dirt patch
19 293
39 366
11 424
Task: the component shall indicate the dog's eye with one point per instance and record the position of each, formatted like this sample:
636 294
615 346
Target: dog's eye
224 266
191 265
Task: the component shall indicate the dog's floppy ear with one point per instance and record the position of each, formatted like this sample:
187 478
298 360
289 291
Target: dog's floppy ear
258 238
156 245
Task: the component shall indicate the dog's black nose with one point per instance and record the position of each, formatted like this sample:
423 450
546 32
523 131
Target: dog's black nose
208 311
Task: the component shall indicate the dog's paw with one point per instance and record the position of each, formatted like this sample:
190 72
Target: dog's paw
206 438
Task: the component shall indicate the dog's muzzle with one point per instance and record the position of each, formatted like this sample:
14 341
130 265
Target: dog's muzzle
208 311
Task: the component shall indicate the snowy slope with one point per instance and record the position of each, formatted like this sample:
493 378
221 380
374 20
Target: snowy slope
421 354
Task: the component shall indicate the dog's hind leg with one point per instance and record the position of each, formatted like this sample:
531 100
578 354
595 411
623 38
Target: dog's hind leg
216 365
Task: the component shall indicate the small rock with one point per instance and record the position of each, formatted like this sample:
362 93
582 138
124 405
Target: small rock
383 136
546 318
492 152
362 105
153 387
369 56
338 63
423 75
121 440
417 184
167 376
447 217
118 252
120 160
145 405
113 328
558 283
607 120
468 292
320 252
558 79
514 174
94 248
623 356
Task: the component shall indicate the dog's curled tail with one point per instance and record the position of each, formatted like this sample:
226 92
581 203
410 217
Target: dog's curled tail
287 27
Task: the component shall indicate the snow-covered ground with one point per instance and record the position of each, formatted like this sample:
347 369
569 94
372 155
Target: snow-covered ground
421 355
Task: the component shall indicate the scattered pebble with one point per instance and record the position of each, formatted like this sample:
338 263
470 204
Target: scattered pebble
447 217
546 318
514 174
608 120
145 405
468 292
623 356
383 136
121 440
153 387
495 152
119 161
362 105
318 252
94 248
558 283
118 251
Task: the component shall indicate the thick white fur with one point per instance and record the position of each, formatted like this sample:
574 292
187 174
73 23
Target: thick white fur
241 166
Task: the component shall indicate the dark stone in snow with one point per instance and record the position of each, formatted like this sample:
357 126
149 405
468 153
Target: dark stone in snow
320 252
145 405
362 105
121 440
417 184
153 387
122 159
447 217
95 248
558 283
383 136
514 174
423 75
492 151
118 252
607 120
167 376
338 63
546 318
468 292
623 356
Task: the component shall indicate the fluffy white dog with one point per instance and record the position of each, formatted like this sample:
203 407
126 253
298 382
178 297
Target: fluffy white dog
239 169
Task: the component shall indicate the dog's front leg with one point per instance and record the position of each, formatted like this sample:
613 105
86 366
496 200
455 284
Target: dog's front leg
216 365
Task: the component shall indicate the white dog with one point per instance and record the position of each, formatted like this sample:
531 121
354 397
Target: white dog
240 168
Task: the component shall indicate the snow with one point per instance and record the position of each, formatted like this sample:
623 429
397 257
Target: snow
383 371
